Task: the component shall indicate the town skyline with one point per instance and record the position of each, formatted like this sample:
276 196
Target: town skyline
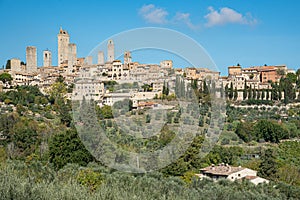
251 38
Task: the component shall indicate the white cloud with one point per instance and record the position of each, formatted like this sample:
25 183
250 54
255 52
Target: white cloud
185 19
227 16
153 15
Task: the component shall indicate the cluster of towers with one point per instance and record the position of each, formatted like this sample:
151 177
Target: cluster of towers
67 52
67 56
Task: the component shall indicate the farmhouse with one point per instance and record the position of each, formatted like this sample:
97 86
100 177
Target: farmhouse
225 171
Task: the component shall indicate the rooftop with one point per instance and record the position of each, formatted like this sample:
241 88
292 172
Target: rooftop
221 169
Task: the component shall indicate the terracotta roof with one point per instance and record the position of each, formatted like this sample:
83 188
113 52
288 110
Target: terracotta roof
221 169
250 177
146 103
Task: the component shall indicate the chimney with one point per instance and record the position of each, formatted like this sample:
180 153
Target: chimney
212 167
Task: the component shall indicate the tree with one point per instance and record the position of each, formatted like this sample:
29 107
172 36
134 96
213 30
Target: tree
226 90
146 87
205 88
26 137
292 77
165 89
274 92
250 92
268 94
298 78
5 77
66 147
222 90
298 72
269 166
280 72
57 91
148 118
245 131
105 112
177 86
60 79
195 84
263 94
245 91
269 131
258 95
254 93
230 95
288 90
7 66
235 95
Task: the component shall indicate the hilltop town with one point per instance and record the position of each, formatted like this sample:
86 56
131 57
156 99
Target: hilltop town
88 78
189 128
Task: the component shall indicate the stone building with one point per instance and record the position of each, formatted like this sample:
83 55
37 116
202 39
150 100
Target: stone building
205 73
127 59
72 57
110 51
166 64
117 70
23 78
88 60
100 58
234 70
190 72
223 171
111 98
15 65
31 59
63 40
47 58
89 89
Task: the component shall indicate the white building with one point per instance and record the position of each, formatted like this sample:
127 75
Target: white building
89 89
223 171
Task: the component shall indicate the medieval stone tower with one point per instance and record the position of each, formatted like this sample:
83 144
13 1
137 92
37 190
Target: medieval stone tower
100 58
31 59
110 51
47 58
127 59
72 57
63 40
15 65
88 60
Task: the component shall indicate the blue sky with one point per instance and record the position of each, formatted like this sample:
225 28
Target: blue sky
249 32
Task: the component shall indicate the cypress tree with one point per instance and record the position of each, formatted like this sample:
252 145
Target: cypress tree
267 95
226 91
258 95
250 92
245 91
262 94
230 95
254 93
235 96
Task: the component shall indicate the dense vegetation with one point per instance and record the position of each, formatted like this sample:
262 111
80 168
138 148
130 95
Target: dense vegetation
35 181
42 156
